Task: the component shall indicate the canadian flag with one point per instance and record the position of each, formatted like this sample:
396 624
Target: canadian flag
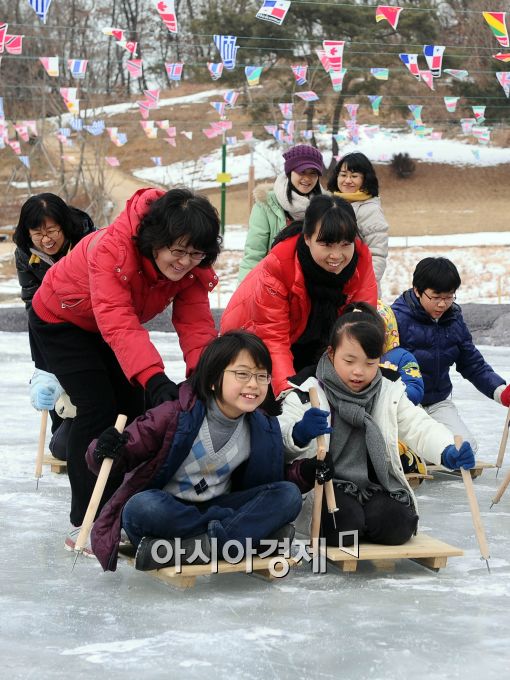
167 13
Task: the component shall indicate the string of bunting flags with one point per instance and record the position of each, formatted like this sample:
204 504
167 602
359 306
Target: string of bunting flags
427 69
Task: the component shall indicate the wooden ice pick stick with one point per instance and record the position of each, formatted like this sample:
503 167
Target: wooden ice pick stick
504 440
97 494
502 489
475 510
318 488
40 448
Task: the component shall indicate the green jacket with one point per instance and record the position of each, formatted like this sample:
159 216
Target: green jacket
266 220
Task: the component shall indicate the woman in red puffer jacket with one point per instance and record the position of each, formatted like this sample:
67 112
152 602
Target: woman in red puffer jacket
292 298
87 316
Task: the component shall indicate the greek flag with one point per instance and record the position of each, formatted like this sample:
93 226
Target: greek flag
76 124
41 8
227 48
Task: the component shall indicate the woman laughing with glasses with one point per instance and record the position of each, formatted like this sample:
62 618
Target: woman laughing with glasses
88 316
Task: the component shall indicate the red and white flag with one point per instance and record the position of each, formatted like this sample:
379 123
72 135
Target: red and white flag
167 13
388 13
334 50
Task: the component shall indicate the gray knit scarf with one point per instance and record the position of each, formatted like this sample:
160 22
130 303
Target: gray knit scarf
356 436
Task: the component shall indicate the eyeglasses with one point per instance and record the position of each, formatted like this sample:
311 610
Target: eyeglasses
50 233
195 255
246 376
436 299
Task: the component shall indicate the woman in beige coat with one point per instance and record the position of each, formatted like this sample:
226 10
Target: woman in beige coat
355 180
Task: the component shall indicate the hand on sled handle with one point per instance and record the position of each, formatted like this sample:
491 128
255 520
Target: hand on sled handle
312 424
312 470
504 395
45 389
110 445
161 388
454 458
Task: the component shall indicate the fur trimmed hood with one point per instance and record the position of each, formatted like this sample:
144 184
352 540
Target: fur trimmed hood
261 192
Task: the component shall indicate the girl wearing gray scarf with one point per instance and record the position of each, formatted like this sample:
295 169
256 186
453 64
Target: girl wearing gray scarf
368 415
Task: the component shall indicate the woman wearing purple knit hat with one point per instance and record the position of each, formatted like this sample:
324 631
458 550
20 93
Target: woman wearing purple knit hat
284 202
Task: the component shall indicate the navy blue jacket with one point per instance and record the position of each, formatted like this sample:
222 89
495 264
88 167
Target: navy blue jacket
159 441
438 345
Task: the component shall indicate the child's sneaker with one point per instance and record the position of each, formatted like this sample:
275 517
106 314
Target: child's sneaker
71 539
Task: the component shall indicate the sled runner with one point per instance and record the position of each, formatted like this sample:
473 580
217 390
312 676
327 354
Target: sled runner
261 566
423 549
56 465
416 478
480 466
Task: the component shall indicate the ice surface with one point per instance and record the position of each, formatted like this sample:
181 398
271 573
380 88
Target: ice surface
86 624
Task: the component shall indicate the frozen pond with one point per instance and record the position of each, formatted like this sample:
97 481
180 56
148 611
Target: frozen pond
411 623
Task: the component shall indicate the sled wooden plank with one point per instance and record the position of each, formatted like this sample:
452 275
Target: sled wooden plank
56 465
480 466
416 478
188 573
424 549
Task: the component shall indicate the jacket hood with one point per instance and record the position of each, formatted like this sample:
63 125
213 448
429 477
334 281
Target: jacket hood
261 191
137 207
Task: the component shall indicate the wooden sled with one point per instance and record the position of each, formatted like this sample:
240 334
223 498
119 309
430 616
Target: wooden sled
416 478
480 466
188 573
423 549
56 465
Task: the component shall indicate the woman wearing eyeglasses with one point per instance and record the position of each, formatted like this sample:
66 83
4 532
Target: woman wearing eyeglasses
87 316
46 231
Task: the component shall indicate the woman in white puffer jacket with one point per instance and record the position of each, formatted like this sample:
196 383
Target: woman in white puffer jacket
354 179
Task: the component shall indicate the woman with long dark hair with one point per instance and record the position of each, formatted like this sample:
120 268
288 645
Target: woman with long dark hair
354 179
294 295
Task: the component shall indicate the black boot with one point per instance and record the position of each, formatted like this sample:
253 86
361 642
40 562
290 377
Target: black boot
284 533
145 561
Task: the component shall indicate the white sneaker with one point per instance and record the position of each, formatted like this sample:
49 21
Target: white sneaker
71 539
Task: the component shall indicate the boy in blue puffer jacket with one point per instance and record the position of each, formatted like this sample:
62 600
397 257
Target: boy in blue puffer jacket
431 326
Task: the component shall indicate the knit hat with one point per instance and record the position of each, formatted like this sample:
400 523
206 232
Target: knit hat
303 157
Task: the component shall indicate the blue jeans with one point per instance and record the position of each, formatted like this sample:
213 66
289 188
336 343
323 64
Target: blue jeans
254 513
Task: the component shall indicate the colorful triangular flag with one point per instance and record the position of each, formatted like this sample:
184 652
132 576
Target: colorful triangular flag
375 101
215 70
299 71
226 45
496 21
390 14
41 8
167 13
451 103
434 56
51 65
253 74
274 11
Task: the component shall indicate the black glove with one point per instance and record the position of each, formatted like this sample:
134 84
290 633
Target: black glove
160 389
110 445
313 470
